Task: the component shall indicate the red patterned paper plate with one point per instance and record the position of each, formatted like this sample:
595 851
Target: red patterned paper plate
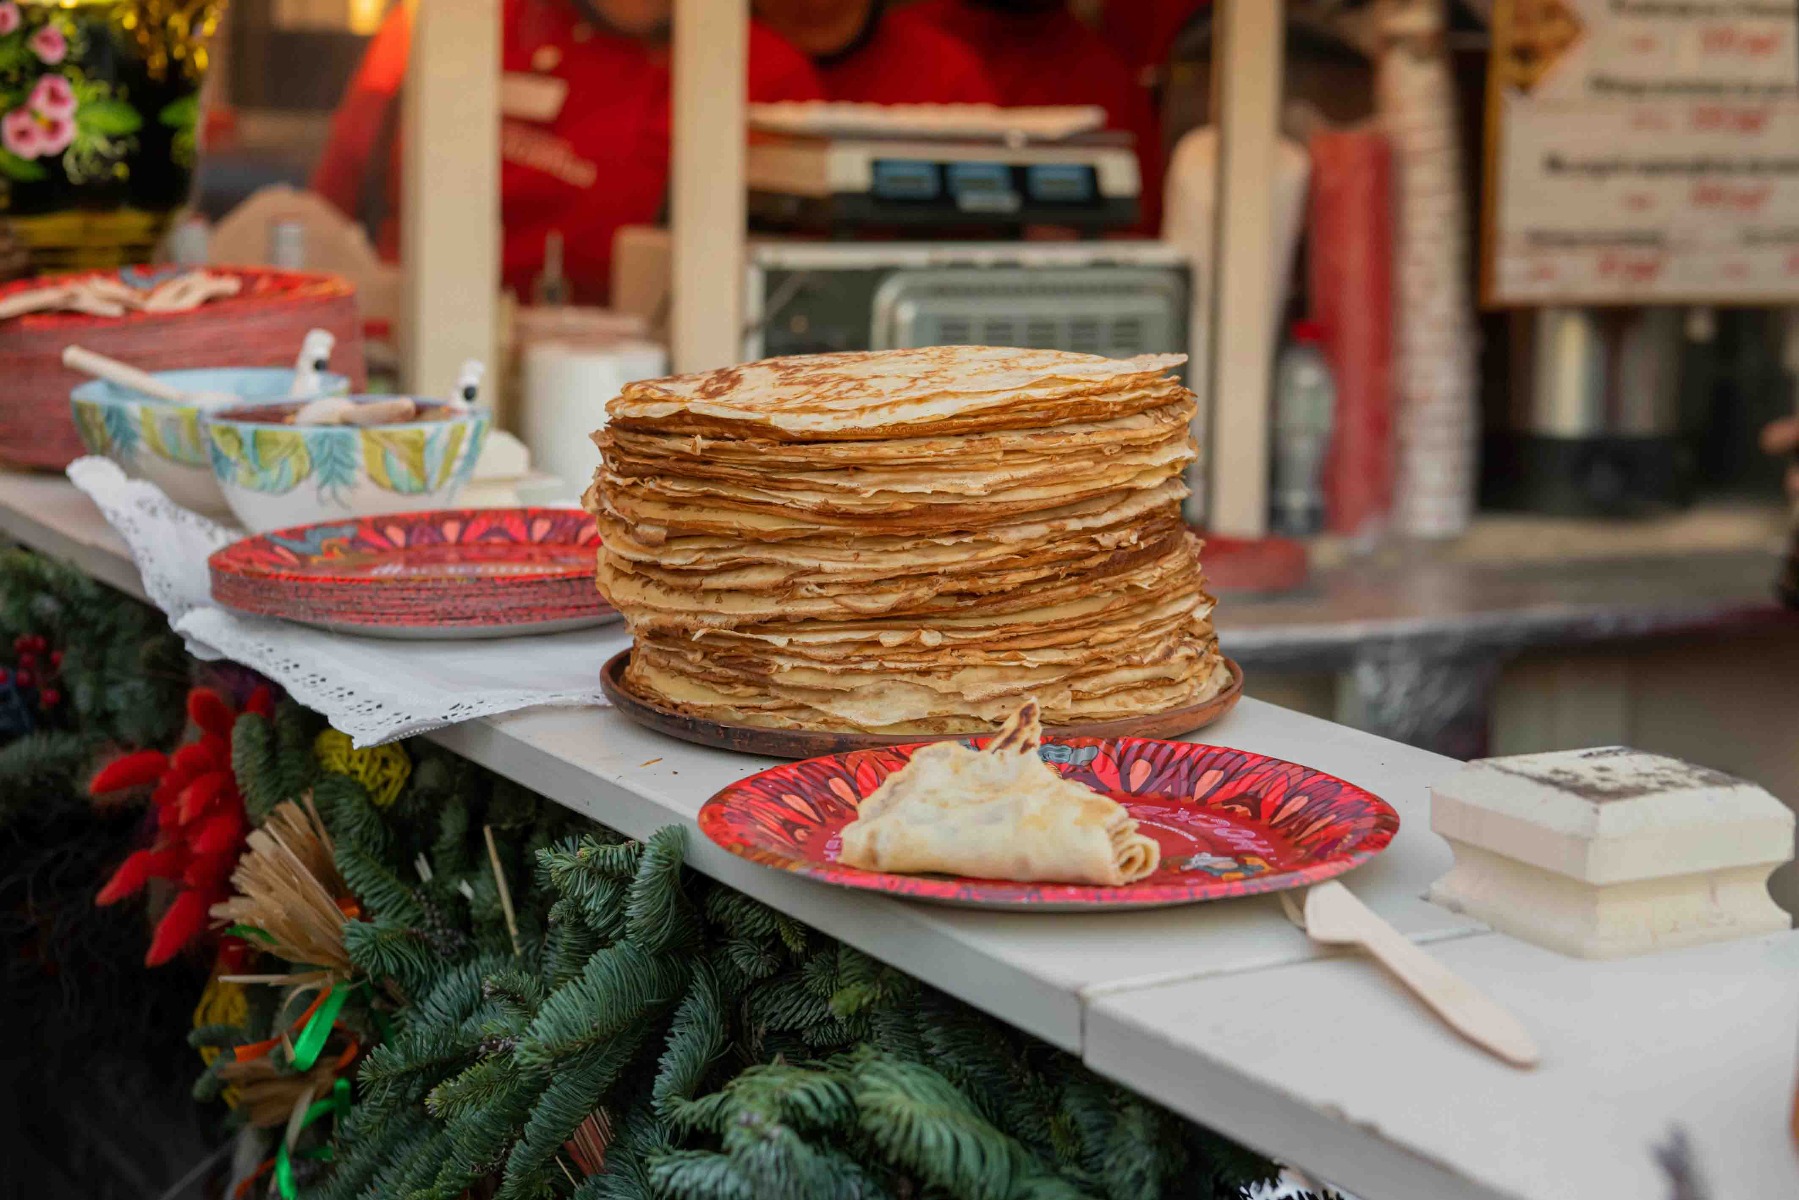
451 573
1230 823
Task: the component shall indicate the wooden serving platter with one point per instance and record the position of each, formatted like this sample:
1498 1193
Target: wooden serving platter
814 743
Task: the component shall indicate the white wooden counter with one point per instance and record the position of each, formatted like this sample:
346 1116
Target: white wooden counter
1224 1011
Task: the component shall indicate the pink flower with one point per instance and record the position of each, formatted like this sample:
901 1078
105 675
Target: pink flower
57 133
49 44
21 134
53 97
9 17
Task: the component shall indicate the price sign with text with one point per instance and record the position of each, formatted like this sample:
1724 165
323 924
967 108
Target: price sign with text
1642 152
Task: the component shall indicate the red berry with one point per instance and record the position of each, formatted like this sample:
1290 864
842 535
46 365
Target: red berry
27 659
56 658
5 676
39 642
50 697
25 678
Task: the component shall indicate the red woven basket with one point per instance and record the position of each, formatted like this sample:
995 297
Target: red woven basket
261 326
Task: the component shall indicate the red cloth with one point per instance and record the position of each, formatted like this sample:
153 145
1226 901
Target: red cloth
1143 31
601 163
908 60
1051 58
1349 237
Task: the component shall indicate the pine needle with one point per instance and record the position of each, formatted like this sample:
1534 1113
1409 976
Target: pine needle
499 879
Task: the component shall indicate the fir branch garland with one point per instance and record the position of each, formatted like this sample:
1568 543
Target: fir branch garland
696 1039
734 1049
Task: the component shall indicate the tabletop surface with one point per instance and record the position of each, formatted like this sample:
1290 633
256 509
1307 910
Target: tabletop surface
1224 1011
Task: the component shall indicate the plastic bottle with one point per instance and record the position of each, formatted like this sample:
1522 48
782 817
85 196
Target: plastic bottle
1305 402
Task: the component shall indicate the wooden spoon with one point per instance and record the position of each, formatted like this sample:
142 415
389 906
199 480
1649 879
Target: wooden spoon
127 376
340 410
1334 916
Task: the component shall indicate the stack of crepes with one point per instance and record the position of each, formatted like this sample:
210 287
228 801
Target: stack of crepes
907 541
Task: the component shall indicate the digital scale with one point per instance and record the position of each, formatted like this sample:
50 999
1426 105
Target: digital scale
839 183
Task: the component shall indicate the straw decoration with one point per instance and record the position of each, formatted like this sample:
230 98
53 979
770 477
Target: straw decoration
288 887
588 1146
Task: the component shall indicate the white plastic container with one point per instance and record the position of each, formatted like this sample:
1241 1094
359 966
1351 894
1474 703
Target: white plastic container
566 387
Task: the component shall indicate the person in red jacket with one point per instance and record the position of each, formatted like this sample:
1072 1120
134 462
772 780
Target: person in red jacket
1037 52
587 155
1143 31
865 51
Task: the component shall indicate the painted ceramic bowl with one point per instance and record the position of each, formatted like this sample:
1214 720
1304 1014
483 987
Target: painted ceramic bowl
163 443
275 475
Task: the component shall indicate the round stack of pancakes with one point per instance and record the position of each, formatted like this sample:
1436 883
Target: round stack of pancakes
907 541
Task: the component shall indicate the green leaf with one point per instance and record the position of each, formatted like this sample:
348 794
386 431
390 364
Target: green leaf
108 118
182 113
20 170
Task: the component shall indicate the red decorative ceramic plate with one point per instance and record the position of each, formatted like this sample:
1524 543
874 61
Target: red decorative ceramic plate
1230 823
453 573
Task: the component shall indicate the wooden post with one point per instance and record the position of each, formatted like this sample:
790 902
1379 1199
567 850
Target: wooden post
1246 68
450 191
706 209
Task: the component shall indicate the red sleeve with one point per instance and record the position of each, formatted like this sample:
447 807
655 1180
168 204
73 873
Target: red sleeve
1131 110
1143 31
361 115
778 71
955 72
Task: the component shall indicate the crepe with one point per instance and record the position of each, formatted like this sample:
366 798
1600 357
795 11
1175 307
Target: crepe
910 541
864 394
997 813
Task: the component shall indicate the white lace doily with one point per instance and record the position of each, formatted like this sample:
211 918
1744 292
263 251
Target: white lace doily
374 689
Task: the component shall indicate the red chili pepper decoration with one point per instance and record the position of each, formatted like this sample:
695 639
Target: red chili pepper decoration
195 759
209 713
128 771
200 821
261 702
202 794
137 870
185 920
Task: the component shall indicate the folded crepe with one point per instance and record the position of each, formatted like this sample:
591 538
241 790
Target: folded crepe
997 813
